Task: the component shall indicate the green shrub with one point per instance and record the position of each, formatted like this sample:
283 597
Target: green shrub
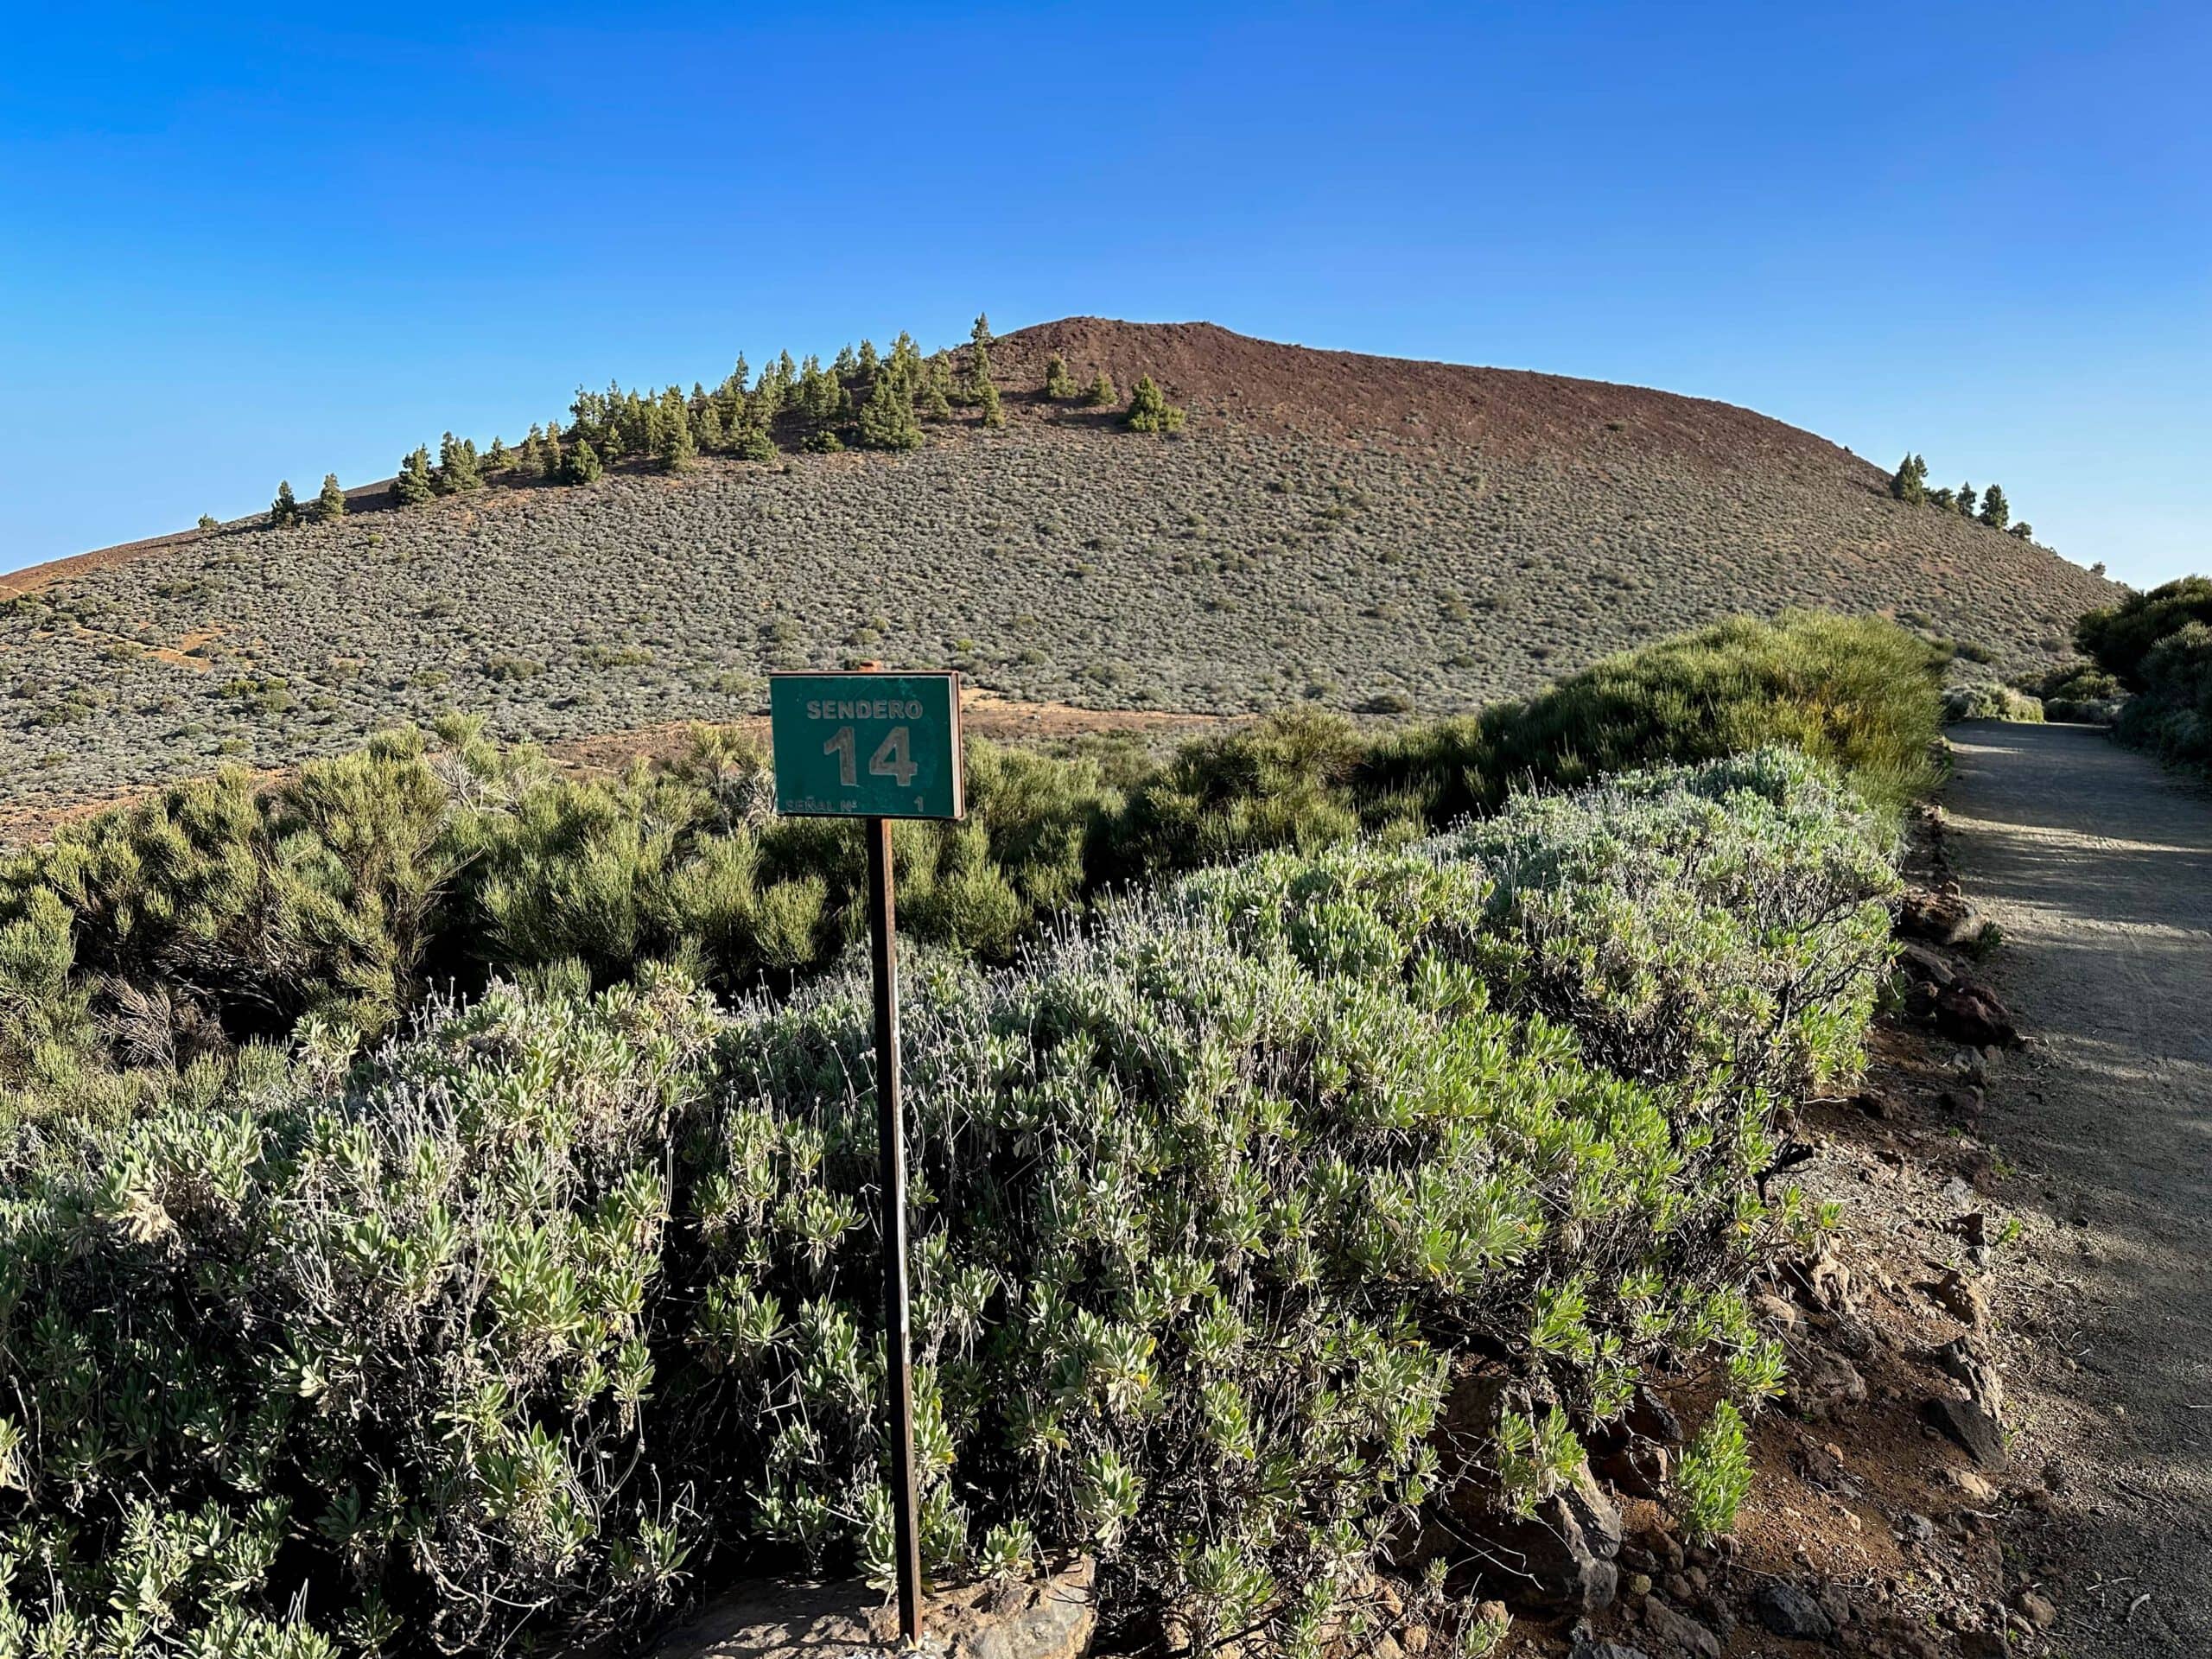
506 1331
1149 409
1057 384
1987 700
2118 638
1101 394
1855 691
1715 1476
2159 646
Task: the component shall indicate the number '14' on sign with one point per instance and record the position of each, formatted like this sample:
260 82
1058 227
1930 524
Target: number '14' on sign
892 758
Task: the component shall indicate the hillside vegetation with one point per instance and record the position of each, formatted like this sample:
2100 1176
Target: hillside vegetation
225 911
1326 530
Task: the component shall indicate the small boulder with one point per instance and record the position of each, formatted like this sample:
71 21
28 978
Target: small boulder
1960 1296
1964 1361
2036 1608
1605 1651
1969 1013
1824 1385
1787 1611
1969 1427
1938 918
1679 1629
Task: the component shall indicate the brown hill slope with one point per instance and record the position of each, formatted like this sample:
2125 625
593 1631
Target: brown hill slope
1358 533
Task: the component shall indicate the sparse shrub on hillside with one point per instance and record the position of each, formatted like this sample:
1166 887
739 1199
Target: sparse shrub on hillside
330 503
1218 1189
284 511
580 464
208 521
1149 409
1057 384
458 473
413 486
2022 530
1101 394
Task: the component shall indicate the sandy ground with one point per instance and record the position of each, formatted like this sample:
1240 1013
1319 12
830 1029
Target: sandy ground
2098 866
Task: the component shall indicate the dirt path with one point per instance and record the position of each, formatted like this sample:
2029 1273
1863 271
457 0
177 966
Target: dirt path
2097 866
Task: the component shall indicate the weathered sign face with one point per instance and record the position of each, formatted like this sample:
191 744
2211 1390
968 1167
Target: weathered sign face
869 744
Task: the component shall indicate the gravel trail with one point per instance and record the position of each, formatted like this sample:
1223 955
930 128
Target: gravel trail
2098 866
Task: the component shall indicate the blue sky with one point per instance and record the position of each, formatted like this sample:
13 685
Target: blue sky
236 245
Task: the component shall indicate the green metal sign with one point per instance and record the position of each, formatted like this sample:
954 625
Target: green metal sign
867 745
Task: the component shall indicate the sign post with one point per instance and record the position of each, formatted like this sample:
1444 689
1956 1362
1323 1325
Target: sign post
879 745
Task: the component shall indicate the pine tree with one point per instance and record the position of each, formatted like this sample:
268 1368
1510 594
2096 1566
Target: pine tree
707 428
1057 386
979 370
552 464
1909 482
980 333
935 402
1942 500
330 503
906 361
413 486
1964 500
1149 409
498 458
869 361
753 443
1996 511
2026 532
888 420
581 464
530 456
675 448
284 511
457 473
1102 394
988 400
846 365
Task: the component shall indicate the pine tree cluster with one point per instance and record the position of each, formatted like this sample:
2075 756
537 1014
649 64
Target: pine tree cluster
1909 484
865 397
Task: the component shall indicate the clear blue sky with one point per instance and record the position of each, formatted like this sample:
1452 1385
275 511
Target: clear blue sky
236 245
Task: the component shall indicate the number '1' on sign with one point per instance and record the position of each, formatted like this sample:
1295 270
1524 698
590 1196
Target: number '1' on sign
867 745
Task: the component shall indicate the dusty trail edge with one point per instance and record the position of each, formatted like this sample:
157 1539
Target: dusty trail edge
2097 866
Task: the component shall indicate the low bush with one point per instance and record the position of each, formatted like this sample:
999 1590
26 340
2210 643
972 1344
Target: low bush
562 1302
1987 700
2081 691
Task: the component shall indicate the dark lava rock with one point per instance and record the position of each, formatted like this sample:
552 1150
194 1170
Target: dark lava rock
1969 1427
1787 1611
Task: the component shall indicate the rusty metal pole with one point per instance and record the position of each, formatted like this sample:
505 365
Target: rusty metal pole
891 1148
